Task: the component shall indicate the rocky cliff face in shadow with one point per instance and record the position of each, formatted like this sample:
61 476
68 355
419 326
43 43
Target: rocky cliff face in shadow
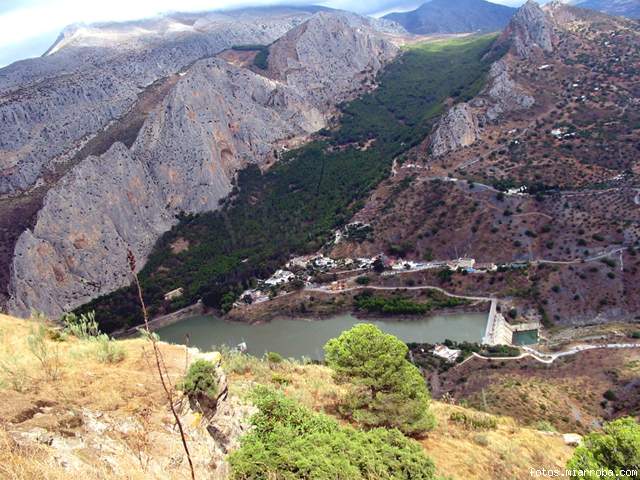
217 118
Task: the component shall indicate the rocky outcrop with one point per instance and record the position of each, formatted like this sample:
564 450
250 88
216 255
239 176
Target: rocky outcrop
462 124
348 50
459 128
216 120
530 31
504 94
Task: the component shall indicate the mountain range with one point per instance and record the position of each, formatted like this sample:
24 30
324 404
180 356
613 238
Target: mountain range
622 8
465 170
454 16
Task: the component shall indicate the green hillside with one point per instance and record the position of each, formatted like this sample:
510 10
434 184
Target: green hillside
295 206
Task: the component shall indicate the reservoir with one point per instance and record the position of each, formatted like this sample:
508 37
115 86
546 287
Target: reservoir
305 338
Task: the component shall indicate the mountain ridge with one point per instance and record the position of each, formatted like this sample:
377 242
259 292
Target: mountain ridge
454 16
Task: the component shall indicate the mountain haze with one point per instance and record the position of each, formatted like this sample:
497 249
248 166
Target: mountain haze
454 16
622 8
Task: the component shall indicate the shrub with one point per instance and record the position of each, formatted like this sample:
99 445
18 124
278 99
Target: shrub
274 357
635 334
610 395
108 350
545 426
83 326
46 354
279 379
289 441
201 379
385 389
473 421
363 280
616 448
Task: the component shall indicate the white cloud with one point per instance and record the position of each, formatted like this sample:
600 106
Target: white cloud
25 23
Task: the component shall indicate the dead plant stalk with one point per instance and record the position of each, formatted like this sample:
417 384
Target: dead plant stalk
162 372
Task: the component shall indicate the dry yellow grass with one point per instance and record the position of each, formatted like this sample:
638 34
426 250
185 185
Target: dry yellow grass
129 393
125 394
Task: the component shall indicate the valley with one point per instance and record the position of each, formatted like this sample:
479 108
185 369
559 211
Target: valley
296 242
295 206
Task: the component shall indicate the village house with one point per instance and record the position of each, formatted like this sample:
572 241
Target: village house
461 263
449 354
174 294
280 278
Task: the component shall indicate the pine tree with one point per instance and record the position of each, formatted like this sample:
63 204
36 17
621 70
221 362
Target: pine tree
386 389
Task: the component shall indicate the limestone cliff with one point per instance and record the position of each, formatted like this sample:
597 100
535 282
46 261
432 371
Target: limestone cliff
530 31
459 128
51 106
216 119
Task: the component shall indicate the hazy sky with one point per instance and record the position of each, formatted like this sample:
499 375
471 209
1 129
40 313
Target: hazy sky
29 27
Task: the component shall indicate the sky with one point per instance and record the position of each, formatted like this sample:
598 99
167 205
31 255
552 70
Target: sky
29 27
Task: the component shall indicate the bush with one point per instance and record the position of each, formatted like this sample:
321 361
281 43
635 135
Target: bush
474 421
386 390
545 426
289 441
83 326
279 379
108 350
48 355
363 280
274 357
201 379
635 334
617 448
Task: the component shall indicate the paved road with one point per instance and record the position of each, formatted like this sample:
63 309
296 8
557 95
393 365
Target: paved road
580 260
421 287
549 358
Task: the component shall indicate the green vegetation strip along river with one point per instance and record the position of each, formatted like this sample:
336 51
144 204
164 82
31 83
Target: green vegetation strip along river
294 207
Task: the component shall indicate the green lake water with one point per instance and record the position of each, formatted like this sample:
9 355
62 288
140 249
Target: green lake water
303 337
526 337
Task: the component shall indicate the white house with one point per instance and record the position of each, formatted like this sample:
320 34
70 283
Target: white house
447 353
173 294
280 278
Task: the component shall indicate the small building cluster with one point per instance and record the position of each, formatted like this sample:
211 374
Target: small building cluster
449 354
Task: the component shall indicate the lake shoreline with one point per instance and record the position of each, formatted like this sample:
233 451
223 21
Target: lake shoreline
305 335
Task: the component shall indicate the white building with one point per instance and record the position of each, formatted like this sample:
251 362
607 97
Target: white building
173 294
449 354
280 278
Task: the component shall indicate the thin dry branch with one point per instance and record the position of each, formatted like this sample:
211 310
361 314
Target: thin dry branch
162 372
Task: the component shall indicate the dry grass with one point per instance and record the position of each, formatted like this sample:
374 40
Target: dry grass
507 452
128 393
87 395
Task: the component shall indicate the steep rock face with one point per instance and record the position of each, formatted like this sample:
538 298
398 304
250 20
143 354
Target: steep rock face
321 56
504 93
103 207
531 31
462 125
459 128
216 120
93 75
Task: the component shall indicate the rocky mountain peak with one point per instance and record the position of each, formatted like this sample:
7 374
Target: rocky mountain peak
341 43
530 31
